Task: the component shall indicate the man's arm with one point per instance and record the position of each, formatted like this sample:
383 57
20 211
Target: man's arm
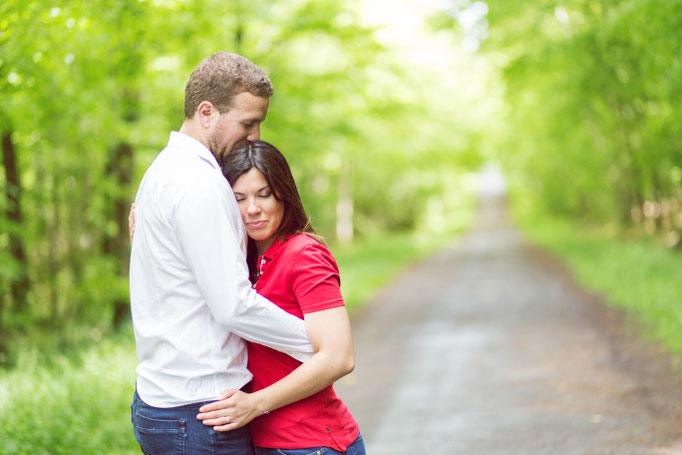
330 334
208 236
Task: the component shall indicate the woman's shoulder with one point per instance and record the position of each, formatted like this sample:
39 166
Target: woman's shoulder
303 244
302 240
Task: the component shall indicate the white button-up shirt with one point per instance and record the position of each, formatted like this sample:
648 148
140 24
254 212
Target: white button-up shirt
191 299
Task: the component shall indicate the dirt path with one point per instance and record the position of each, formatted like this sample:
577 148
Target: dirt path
489 348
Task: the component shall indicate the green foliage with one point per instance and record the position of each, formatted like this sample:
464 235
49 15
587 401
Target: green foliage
593 93
73 405
91 90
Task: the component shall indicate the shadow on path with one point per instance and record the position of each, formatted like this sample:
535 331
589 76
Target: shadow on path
488 347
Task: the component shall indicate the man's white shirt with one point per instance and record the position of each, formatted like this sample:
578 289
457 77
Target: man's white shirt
191 300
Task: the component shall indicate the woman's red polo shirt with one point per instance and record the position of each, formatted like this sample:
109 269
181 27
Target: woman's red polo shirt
300 276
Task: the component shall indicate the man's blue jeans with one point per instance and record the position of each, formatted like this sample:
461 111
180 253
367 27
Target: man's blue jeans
356 448
176 431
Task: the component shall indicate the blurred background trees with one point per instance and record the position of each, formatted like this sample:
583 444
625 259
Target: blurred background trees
578 100
90 91
593 91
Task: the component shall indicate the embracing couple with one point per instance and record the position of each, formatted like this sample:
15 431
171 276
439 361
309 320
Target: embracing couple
236 306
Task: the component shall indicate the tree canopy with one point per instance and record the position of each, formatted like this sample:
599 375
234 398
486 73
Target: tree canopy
593 92
579 100
91 90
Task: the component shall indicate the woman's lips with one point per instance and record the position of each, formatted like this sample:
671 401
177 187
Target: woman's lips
256 224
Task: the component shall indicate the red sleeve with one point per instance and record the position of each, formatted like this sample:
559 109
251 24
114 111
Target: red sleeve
315 279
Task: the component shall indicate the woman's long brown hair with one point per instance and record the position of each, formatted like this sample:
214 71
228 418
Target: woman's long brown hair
271 163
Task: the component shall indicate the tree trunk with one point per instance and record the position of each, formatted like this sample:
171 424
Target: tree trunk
4 351
239 30
19 284
344 209
120 168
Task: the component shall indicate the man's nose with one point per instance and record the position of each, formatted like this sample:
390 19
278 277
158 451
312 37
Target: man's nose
254 134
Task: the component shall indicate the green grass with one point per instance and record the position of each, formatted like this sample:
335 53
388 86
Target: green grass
637 274
368 265
78 403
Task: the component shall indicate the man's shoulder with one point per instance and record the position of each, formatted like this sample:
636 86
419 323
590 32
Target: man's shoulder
185 169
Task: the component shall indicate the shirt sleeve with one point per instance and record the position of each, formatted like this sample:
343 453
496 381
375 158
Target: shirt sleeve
208 235
315 279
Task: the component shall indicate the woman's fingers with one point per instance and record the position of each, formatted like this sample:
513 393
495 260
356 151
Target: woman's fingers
227 394
131 222
229 426
220 404
230 413
224 423
221 420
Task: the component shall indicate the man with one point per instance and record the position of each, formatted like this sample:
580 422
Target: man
191 298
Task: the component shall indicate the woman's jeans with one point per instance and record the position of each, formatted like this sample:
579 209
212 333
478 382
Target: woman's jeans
176 431
356 448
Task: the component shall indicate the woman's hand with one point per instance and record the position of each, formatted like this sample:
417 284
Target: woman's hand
330 335
234 410
131 222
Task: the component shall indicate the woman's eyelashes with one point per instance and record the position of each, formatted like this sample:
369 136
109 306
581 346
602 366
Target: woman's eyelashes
262 195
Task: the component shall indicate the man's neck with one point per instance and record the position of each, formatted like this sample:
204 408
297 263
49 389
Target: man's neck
191 129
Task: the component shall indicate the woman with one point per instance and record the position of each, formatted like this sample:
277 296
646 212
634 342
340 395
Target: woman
294 405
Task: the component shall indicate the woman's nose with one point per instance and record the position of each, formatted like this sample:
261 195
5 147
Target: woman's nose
253 208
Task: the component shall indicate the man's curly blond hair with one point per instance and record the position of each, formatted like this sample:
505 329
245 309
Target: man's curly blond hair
222 76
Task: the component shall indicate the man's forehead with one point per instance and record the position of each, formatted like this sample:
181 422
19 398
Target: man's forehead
244 99
247 105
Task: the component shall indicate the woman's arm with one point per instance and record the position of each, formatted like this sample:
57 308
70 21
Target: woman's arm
330 334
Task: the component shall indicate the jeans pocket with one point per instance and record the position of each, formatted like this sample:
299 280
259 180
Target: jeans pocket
160 436
233 442
308 451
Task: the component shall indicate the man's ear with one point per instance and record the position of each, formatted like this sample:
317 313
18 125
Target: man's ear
206 112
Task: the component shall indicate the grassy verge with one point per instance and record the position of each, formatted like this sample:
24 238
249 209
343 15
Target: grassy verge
53 403
70 405
639 275
368 265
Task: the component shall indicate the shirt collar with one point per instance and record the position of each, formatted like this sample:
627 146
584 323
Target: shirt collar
276 246
181 140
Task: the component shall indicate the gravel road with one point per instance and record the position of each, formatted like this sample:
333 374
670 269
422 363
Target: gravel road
489 347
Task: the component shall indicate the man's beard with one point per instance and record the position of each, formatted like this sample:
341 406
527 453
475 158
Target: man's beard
221 156
220 153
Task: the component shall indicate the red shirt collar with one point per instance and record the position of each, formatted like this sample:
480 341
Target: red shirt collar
271 252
